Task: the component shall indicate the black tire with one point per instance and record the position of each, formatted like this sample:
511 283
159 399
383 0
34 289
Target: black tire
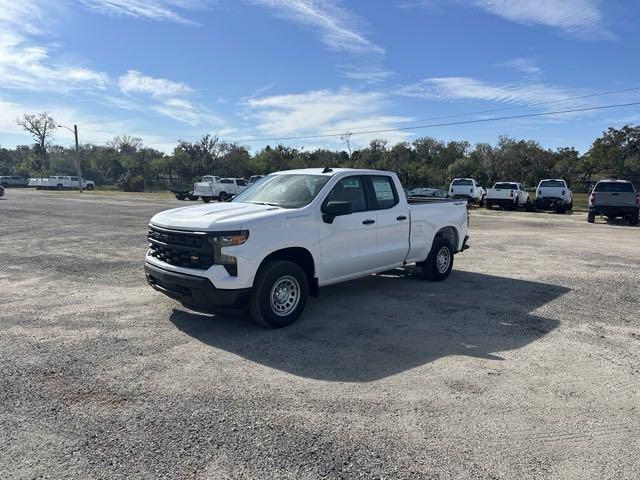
537 205
206 199
529 206
489 205
570 207
561 208
263 309
222 197
180 197
193 198
633 219
431 268
89 187
482 202
591 217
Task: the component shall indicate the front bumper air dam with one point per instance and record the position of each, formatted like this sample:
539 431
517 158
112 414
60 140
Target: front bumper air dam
196 293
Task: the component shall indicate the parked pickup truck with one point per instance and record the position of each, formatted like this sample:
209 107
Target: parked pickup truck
613 199
508 195
216 188
59 182
467 188
12 181
554 194
296 231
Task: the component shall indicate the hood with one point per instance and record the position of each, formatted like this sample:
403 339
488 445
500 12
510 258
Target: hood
216 216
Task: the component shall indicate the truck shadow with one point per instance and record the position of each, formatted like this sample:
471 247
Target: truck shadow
385 324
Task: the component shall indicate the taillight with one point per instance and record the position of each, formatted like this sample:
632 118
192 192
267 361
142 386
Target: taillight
471 190
593 198
511 193
562 192
638 199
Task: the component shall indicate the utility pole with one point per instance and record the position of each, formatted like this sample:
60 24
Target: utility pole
75 134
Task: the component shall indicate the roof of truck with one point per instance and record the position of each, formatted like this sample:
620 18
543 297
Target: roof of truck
332 171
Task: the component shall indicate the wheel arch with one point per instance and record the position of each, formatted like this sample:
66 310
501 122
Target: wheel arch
301 257
449 233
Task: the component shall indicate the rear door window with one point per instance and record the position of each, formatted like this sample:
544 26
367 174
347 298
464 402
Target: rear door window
384 192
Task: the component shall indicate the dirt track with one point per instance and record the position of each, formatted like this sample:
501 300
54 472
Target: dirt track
525 363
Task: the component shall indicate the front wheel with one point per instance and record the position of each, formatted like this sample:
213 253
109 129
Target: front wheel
591 217
279 294
439 263
206 199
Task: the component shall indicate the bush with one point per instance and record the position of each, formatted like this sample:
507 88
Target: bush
131 183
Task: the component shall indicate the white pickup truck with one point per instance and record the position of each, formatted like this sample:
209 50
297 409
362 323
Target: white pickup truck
296 231
554 194
221 189
508 195
59 182
467 188
613 199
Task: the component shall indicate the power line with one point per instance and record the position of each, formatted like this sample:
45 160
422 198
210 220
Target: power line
432 125
479 112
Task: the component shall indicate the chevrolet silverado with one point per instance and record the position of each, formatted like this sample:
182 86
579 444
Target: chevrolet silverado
296 231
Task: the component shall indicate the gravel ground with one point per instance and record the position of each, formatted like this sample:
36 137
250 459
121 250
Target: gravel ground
523 364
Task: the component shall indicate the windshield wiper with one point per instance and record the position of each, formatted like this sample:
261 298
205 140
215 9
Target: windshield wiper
265 203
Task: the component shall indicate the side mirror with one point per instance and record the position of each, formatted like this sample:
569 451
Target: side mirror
334 209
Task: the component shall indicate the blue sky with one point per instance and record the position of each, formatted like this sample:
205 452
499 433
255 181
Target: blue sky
165 70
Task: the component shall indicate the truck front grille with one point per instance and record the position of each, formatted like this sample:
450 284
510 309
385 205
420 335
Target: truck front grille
181 249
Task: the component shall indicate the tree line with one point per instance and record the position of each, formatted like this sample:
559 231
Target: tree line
128 164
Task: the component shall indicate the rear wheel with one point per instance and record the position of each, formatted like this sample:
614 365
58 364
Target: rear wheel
222 197
206 199
279 294
439 263
633 219
180 197
591 217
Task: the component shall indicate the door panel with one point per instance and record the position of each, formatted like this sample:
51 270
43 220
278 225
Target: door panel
393 222
349 244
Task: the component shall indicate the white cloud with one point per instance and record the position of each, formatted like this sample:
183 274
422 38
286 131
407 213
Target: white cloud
134 82
465 88
569 15
336 25
526 66
159 10
316 111
186 112
24 65
367 74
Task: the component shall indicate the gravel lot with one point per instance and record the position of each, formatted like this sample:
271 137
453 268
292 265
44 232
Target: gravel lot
525 363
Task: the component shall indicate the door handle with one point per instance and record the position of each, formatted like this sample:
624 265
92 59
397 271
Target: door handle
401 217
368 222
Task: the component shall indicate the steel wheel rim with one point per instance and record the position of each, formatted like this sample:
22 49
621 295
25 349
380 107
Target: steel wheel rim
284 296
443 259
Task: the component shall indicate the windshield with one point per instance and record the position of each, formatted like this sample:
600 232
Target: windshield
286 191
506 186
614 187
552 183
457 183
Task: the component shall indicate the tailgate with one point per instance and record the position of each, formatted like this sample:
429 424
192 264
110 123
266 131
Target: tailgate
499 193
616 199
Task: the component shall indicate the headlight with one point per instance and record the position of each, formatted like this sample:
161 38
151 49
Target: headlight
232 238
228 239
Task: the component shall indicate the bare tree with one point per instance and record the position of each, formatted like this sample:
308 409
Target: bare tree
41 127
126 143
